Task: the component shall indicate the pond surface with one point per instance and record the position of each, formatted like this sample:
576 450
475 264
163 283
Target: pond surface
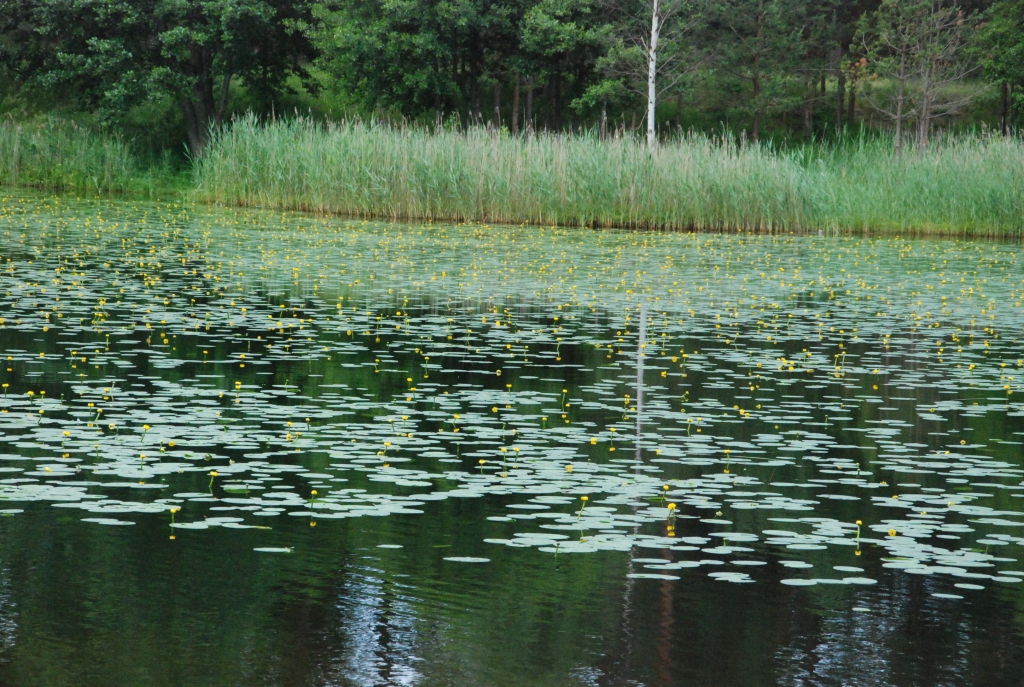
253 448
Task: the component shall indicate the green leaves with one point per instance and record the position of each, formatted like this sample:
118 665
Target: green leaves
112 56
999 44
420 56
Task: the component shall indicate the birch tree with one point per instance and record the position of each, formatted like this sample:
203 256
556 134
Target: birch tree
652 53
652 69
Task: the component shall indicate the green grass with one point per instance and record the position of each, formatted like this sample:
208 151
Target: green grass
58 154
963 185
968 185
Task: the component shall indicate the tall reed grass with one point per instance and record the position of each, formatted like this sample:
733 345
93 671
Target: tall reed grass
965 185
57 154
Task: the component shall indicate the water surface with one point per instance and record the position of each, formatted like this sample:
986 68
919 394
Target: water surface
253 448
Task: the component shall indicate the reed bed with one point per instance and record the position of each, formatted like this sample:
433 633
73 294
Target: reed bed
57 154
970 185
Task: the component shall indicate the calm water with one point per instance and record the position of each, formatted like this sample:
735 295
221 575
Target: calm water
246 448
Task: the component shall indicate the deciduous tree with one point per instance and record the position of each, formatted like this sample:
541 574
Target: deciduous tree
114 54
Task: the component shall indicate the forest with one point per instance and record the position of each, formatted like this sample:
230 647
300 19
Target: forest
166 73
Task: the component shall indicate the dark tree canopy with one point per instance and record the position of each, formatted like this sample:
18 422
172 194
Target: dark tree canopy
789 67
113 54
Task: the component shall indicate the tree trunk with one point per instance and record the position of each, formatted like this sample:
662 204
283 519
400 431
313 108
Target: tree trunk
840 87
1004 107
474 91
840 100
222 106
652 72
852 109
458 72
199 106
497 106
515 108
922 128
1009 110
604 118
545 96
199 115
755 129
808 111
557 109
438 111
529 105
924 123
195 126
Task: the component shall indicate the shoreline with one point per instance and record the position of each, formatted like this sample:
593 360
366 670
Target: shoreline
183 196
963 187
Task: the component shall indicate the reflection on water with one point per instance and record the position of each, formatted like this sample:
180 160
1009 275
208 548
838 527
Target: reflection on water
254 449
378 622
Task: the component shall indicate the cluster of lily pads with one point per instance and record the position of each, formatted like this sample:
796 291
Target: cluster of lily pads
722 402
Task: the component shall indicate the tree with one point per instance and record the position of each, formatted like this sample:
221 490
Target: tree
837 27
114 54
650 53
999 47
919 46
824 40
420 55
563 41
759 43
20 50
403 54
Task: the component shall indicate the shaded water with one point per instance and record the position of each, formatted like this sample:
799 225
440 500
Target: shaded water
244 448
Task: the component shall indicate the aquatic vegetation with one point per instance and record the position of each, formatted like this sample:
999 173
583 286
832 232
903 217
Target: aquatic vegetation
963 185
62 155
837 409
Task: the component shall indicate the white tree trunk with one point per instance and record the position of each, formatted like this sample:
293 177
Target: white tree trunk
652 71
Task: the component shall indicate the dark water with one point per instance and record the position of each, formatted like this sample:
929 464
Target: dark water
774 390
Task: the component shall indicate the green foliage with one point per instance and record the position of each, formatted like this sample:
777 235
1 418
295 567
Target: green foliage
1000 42
62 155
919 46
759 47
421 56
965 185
112 55
773 67
999 49
160 71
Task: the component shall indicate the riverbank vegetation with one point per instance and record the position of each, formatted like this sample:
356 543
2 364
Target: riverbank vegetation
964 184
60 154
766 114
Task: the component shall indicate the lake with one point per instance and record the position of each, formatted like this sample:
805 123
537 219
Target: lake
252 448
